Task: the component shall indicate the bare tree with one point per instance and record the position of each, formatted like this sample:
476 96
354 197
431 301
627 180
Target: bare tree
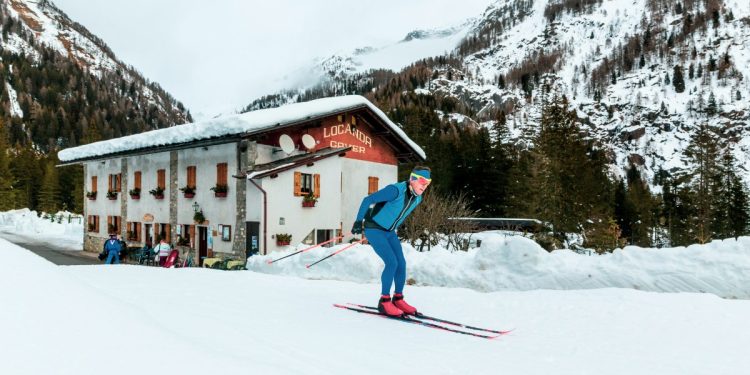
433 217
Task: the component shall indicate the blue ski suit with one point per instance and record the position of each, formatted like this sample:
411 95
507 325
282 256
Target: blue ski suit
383 212
112 247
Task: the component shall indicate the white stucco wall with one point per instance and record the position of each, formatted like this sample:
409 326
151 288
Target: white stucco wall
218 211
298 220
148 165
101 205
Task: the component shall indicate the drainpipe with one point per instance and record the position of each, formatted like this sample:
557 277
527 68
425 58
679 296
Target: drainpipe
265 215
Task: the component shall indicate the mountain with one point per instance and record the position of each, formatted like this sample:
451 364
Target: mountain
62 87
614 60
53 67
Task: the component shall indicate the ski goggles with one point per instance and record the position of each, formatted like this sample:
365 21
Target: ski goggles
420 179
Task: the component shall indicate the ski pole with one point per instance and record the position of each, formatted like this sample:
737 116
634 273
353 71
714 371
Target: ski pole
336 252
306 249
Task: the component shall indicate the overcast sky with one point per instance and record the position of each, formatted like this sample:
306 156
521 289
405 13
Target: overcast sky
218 55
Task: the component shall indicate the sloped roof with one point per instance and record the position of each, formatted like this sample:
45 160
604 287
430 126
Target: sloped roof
234 125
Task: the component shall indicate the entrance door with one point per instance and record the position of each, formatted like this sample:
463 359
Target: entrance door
202 244
148 234
252 238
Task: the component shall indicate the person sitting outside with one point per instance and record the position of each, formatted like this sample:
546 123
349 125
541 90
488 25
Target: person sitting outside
112 248
162 250
145 252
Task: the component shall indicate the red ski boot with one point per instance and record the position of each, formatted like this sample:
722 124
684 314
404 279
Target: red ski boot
385 306
398 301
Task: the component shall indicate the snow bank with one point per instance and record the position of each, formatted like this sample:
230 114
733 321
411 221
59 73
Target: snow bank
54 230
516 263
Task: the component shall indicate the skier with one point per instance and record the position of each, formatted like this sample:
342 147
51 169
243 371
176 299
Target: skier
112 248
379 216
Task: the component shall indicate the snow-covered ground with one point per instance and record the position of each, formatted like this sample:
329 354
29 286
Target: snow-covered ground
131 319
61 231
517 263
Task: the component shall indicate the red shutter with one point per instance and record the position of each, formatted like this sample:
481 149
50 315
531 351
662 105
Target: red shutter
160 179
221 174
297 184
191 176
316 185
137 178
93 183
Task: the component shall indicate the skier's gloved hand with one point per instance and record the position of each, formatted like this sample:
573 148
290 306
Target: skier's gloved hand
357 227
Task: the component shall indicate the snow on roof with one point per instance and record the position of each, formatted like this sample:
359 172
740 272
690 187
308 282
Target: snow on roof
254 121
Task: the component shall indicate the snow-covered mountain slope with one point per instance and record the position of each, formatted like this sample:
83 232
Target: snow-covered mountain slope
37 23
190 321
637 114
615 61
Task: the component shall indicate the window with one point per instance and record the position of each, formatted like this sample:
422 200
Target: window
163 231
137 180
134 231
114 182
93 184
161 180
191 176
226 232
305 184
221 174
372 184
93 223
113 224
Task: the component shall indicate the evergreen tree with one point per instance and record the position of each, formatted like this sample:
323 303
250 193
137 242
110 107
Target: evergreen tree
711 107
571 179
678 80
641 62
49 195
643 206
702 153
7 192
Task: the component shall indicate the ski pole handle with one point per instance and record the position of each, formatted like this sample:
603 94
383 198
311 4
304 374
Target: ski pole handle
336 252
307 249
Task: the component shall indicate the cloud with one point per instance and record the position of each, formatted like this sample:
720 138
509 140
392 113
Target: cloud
217 56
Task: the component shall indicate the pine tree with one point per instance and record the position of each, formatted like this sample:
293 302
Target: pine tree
49 195
641 62
570 177
678 80
711 107
7 192
702 153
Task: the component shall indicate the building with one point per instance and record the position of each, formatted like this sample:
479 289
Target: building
241 184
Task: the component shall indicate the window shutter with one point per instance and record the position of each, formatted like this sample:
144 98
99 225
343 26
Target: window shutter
109 186
316 185
137 182
160 179
297 184
96 223
221 174
168 231
93 183
118 180
109 222
192 234
372 184
191 176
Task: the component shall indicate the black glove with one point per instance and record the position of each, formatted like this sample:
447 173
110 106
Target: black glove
357 227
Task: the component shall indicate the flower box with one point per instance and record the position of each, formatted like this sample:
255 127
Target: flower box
135 194
159 196
220 190
111 195
189 195
308 203
91 195
283 243
283 239
158 193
